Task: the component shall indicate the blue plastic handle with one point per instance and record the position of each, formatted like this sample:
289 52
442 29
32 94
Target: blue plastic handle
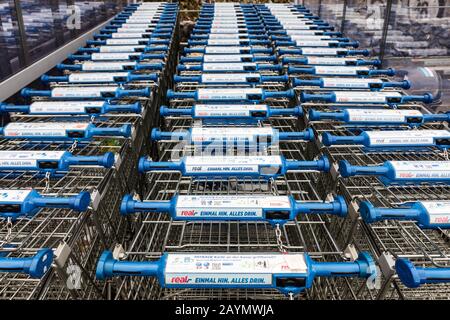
337 207
122 131
315 115
347 170
80 202
328 139
156 48
413 276
146 92
149 66
36 266
363 267
71 67
322 164
106 160
415 211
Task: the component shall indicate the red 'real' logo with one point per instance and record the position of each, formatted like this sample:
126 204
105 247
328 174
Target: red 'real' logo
179 280
189 213
442 220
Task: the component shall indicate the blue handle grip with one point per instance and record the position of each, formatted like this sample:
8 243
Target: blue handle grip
79 57
322 164
123 131
146 165
4 107
129 205
337 207
26 93
371 214
143 77
71 67
156 48
157 135
146 56
88 50
178 78
80 202
106 160
35 266
307 70
96 42
107 267
305 97
347 170
315 115
425 98
281 78
146 92
164 111
436 117
296 111
363 267
46 78
149 66
307 135
413 276
379 72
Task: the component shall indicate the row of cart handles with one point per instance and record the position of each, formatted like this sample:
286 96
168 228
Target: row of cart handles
287 282
302 269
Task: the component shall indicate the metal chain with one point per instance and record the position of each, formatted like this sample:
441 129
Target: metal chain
73 146
47 182
280 244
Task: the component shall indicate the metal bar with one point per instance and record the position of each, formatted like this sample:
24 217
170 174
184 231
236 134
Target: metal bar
344 14
387 17
24 56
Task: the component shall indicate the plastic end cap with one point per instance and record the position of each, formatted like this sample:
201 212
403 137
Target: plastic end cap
125 205
428 98
342 206
314 115
327 138
104 264
303 97
137 107
108 160
41 263
407 273
365 259
126 130
309 135
25 92
376 62
45 78
142 164
366 211
406 84
345 168
325 163
391 72
298 111
290 94
82 201
163 111
155 134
